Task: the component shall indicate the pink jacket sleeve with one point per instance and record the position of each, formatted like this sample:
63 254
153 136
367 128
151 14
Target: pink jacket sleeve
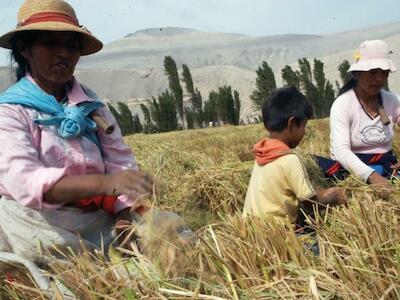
117 155
23 176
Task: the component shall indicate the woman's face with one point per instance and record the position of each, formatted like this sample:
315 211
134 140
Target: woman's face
371 82
52 58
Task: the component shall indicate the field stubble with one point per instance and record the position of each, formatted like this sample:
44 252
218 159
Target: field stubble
203 175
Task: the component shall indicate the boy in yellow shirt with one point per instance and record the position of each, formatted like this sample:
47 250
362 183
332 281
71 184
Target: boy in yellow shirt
279 181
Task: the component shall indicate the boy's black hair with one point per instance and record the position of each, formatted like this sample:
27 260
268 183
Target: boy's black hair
282 104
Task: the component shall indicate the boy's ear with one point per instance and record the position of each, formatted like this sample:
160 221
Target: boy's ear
291 123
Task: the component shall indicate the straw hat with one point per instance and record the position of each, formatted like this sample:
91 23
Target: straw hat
51 15
373 55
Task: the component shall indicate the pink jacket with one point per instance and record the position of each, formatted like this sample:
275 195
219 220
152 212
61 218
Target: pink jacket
33 158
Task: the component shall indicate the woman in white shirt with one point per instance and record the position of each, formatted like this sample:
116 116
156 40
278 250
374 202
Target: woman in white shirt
362 119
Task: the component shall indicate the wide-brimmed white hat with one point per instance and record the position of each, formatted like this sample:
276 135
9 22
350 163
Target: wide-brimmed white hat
371 55
51 15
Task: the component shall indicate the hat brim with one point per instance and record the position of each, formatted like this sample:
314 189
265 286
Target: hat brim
90 44
375 63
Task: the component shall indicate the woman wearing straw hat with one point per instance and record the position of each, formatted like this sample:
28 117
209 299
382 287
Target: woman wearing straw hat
362 119
62 179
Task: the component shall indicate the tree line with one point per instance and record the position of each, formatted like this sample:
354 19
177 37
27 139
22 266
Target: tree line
309 79
169 111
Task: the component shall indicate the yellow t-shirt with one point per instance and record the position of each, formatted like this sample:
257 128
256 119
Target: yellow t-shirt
276 188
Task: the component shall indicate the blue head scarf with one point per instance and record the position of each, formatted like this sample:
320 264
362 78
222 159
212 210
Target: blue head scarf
71 121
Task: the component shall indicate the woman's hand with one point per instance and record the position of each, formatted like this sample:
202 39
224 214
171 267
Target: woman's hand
129 182
73 188
396 166
378 180
382 184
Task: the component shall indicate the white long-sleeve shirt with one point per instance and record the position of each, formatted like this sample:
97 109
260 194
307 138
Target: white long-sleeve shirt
354 131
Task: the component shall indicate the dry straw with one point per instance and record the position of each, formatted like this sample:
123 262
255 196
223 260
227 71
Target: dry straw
204 178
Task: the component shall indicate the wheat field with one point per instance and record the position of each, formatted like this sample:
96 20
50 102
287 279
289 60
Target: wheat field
203 175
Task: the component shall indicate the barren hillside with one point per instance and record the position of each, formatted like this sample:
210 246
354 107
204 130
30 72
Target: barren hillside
131 69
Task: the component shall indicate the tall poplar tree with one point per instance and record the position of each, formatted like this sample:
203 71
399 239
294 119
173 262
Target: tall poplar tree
196 113
290 77
126 118
237 107
343 68
174 85
163 112
265 83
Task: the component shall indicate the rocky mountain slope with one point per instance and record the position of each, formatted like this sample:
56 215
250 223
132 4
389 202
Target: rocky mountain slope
131 69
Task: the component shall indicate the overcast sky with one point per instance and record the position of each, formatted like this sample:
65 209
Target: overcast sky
111 20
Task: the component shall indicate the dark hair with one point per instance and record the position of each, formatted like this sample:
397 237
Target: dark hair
349 84
282 104
27 38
